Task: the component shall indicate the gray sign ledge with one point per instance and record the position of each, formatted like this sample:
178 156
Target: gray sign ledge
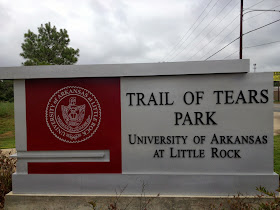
187 185
126 70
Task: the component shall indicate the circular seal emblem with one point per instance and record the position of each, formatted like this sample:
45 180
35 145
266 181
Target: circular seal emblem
73 114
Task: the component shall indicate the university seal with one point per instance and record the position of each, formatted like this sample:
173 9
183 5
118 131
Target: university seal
73 114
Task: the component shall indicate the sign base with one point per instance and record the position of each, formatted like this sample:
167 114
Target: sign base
51 201
168 184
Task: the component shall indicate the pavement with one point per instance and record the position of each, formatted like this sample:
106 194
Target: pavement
276 108
276 121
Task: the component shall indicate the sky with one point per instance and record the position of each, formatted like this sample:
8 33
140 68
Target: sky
147 31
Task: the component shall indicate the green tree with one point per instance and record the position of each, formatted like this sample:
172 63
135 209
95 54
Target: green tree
48 47
6 90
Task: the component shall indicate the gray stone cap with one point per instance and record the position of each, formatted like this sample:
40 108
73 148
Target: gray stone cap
124 70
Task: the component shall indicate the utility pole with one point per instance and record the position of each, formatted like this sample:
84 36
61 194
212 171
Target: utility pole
241 24
241 29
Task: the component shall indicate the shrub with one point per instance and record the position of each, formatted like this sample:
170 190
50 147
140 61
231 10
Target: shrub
6 90
243 203
7 168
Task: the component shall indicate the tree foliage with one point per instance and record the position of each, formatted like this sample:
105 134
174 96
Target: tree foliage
6 90
48 47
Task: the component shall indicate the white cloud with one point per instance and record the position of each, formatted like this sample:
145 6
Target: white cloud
125 31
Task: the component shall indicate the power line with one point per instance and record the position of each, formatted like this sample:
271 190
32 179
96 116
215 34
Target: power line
236 28
201 30
187 31
214 28
195 28
261 44
262 12
230 54
251 47
242 35
222 49
217 34
225 36
220 31
254 5
261 27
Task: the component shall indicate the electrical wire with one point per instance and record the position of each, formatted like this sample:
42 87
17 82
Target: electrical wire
261 27
217 34
201 31
222 49
232 30
262 12
224 37
236 28
251 47
188 30
223 18
230 54
195 28
242 35
254 5
261 44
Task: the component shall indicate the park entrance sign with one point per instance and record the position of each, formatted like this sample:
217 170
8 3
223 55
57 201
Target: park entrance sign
187 128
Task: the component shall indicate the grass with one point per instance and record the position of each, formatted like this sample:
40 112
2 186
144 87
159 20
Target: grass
7 125
6 109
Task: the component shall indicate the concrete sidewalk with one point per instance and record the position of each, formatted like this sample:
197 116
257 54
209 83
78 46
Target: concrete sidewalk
276 107
276 122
